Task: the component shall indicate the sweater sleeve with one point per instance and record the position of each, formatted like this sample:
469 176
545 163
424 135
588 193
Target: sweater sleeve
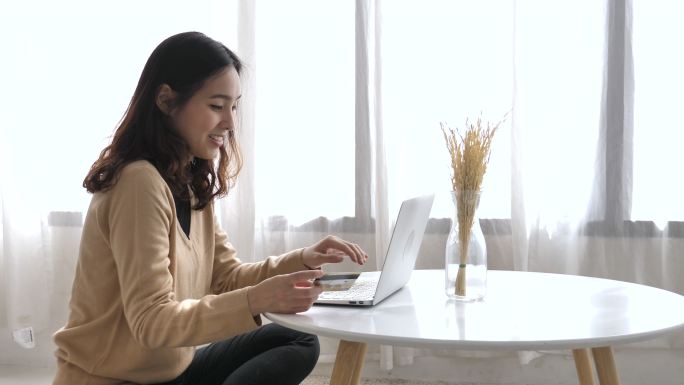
140 219
230 273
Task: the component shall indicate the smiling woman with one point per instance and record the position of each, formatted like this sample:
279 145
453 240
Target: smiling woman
156 275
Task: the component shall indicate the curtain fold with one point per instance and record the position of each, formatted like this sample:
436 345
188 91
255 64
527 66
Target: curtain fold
237 210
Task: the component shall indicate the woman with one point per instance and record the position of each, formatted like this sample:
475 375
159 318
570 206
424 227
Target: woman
156 275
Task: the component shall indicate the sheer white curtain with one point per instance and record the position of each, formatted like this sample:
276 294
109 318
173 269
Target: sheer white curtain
657 101
559 59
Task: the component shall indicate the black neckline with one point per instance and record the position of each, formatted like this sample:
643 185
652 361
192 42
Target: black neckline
183 211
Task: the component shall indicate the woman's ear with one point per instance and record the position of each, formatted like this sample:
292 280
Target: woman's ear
165 98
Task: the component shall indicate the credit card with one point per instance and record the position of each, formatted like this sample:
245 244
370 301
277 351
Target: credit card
336 281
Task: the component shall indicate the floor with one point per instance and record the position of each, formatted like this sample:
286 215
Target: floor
636 367
319 380
12 375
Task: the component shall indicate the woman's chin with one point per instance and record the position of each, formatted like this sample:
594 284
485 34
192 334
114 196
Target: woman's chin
207 155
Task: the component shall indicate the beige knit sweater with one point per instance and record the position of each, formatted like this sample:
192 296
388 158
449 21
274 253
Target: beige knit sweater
145 294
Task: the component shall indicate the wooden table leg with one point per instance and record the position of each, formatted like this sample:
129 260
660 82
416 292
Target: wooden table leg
605 365
348 363
585 371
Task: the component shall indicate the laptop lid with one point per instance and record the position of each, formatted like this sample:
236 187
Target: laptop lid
400 258
404 245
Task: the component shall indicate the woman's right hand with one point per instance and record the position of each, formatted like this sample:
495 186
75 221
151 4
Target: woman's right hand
286 293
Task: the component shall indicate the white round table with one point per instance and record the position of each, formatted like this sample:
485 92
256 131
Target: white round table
521 311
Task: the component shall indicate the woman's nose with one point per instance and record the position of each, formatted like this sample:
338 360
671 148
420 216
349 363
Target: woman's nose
229 121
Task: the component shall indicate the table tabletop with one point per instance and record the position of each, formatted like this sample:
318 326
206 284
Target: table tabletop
521 311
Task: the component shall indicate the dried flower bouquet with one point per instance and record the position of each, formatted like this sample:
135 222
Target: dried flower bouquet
469 158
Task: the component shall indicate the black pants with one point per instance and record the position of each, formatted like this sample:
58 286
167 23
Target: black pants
271 354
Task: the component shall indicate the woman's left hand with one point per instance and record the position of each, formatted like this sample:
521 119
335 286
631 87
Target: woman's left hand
332 249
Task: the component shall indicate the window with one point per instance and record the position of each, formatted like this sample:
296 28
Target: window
433 71
658 101
305 109
69 78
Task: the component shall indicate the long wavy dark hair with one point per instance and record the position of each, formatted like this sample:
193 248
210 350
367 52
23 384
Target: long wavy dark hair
184 62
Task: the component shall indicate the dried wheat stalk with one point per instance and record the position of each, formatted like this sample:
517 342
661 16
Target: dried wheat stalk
469 158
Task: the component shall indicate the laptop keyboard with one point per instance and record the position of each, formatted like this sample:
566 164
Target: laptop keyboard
362 290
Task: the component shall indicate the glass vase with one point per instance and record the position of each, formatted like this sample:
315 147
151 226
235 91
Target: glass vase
466 252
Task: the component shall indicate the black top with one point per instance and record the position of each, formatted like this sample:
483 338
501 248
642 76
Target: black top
183 214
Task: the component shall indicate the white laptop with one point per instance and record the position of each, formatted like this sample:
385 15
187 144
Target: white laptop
369 288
